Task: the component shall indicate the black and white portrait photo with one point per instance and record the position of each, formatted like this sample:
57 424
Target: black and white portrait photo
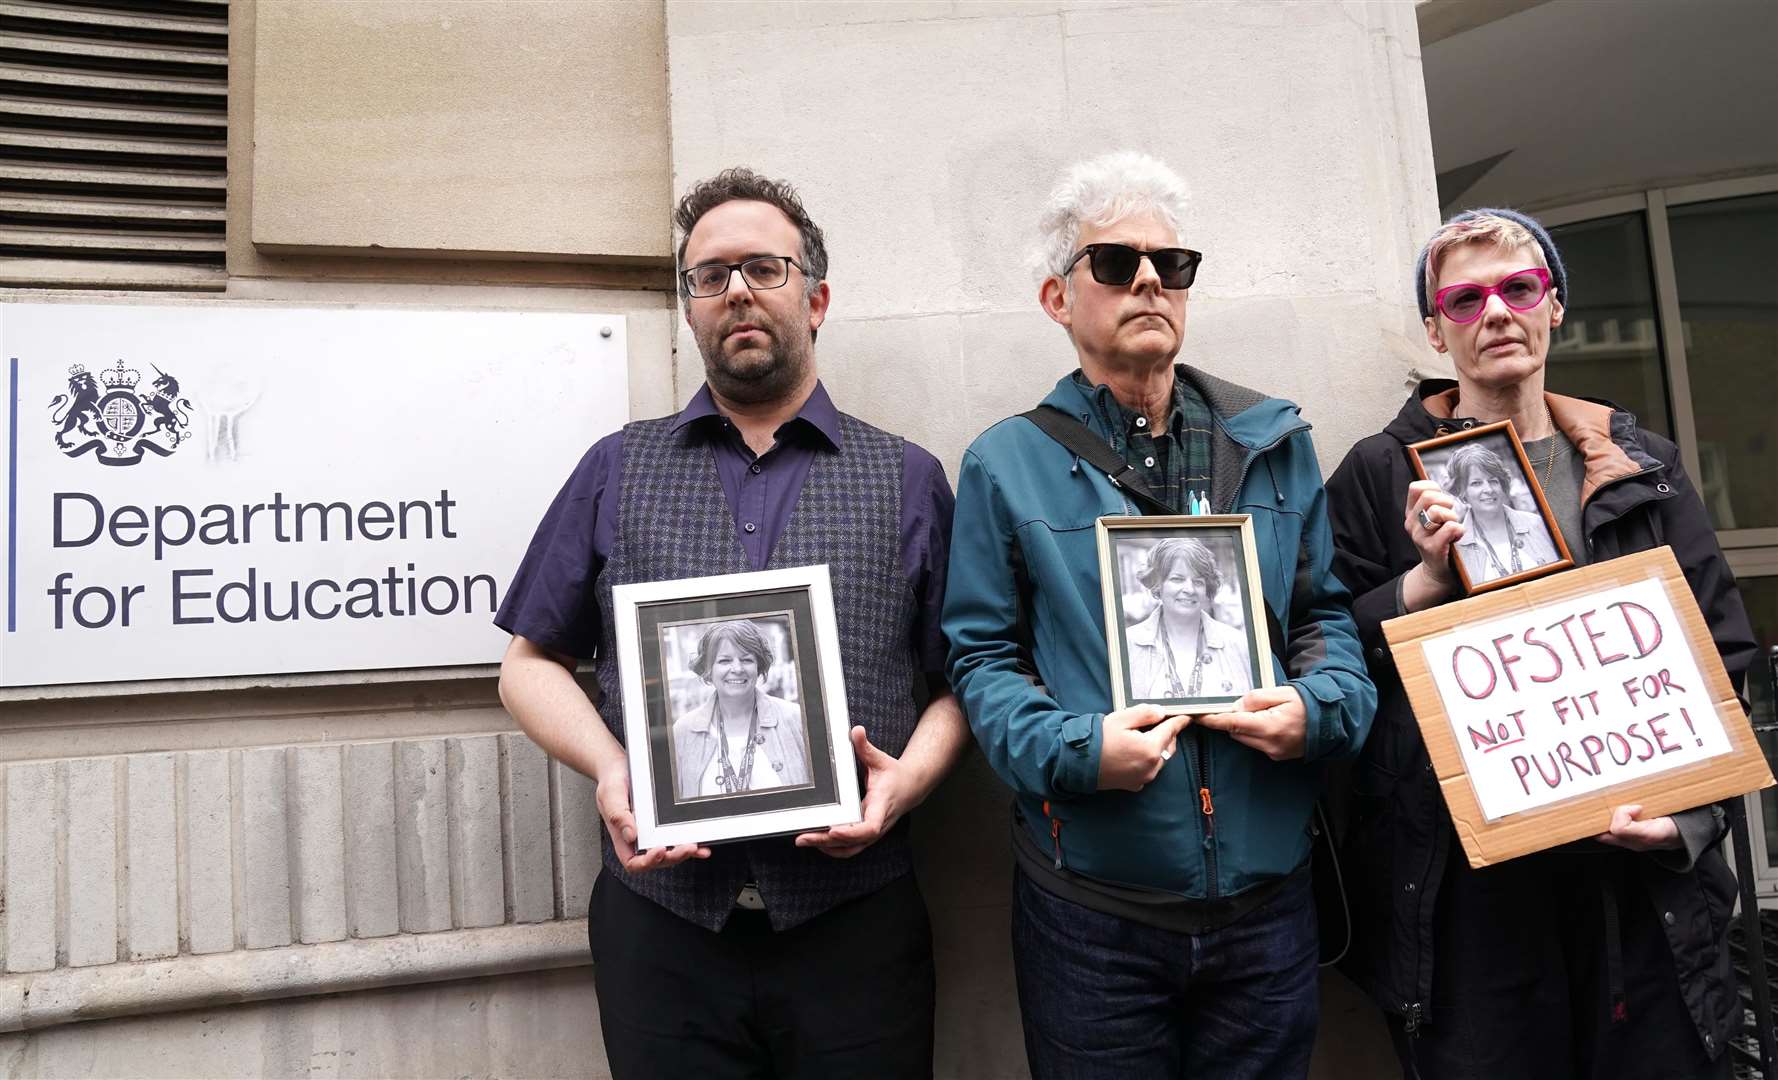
1508 533
734 706
737 715
1180 615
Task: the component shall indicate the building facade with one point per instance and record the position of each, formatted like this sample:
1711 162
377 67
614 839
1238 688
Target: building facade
374 873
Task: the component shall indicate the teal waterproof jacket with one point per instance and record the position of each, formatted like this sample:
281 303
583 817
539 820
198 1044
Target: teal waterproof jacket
1025 619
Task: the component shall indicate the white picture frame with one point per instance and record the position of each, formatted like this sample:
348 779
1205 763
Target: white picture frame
699 655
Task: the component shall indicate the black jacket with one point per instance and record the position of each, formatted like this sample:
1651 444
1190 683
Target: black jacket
1396 834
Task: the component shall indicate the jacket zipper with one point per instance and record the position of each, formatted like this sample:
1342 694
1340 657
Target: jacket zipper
1422 985
1207 805
1129 504
1055 833
1207 808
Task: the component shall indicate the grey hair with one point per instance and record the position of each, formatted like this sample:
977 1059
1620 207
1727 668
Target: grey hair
1103 190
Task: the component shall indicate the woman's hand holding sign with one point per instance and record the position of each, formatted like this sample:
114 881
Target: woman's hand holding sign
1628 830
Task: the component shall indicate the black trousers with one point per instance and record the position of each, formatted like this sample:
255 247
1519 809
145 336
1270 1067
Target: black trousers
1523 985
848 993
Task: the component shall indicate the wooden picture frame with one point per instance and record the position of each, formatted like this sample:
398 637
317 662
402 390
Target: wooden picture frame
1640 703
790 766
1479 561
1233 652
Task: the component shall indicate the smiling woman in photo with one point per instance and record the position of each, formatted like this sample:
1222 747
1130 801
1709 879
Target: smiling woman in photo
1500 540
1180 650
739 738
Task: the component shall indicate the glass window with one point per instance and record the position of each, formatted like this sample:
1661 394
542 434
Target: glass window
1727 274
1761 596
1609 343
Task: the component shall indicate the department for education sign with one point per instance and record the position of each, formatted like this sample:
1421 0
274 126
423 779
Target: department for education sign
226 490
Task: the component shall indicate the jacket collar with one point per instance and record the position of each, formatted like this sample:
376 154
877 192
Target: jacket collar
1248 417
701 720
1247 422
1518 521
1602 433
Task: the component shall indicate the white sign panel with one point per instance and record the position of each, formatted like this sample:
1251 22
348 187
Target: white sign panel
225 490
1571 697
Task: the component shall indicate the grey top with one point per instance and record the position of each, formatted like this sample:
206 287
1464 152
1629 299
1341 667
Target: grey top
1562 489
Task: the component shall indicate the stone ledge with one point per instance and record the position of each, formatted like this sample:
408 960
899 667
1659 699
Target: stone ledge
298 680
40 1000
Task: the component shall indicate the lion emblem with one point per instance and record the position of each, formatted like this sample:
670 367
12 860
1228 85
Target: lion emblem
82 409
121 424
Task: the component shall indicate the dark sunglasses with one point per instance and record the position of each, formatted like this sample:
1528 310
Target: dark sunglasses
1116 264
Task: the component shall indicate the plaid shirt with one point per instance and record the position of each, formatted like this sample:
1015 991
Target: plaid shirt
1174 463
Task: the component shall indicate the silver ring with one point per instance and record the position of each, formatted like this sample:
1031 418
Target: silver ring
1167 754
1426 521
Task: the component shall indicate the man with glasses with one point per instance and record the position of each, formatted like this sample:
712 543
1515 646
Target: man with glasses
1162 917
790 957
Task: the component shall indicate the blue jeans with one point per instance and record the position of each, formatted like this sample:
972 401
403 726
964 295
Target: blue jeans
1103 996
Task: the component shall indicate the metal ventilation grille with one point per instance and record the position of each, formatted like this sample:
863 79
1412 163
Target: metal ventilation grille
113 143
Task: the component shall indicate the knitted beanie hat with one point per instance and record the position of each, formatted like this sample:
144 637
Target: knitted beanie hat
1558 273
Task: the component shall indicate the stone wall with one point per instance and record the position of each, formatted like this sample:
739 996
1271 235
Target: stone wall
165 881
372 874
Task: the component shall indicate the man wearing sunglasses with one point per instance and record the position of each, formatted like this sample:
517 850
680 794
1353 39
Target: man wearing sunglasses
1162 917
1606 958
790 957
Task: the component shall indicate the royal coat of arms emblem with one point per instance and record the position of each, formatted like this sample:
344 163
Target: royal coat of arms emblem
120 424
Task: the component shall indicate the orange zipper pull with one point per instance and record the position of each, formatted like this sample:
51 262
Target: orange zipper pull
1204 800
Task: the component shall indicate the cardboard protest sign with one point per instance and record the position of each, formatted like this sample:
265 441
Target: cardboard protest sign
1547 704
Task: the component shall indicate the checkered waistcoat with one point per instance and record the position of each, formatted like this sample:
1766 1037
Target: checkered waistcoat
674 522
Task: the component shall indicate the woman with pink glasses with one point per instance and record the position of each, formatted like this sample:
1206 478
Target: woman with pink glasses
1606 957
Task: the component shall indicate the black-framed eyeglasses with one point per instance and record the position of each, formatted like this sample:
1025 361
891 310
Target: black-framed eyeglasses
759 272
1116 264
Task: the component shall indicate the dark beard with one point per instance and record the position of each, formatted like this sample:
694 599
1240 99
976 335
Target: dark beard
774 380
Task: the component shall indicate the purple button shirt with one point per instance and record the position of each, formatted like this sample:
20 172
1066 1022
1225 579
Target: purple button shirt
551 600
